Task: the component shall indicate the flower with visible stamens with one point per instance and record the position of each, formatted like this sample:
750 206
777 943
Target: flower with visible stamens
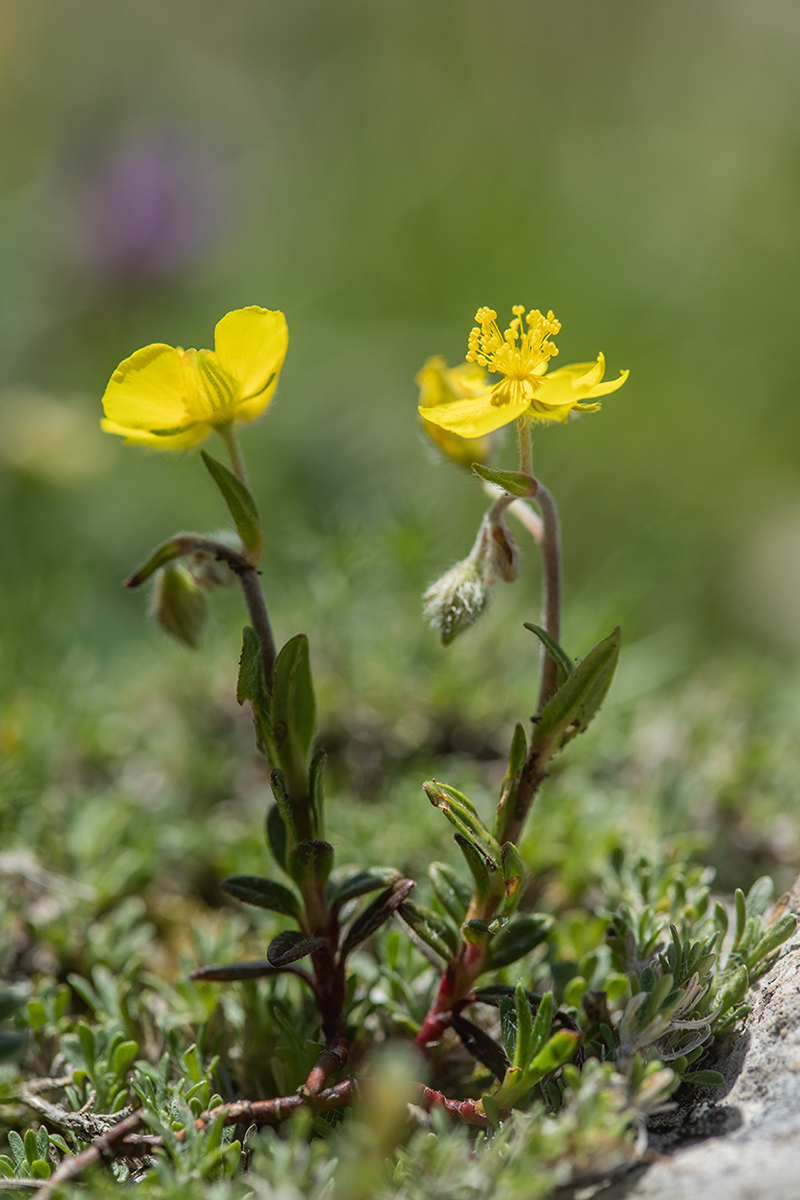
521 355
169 398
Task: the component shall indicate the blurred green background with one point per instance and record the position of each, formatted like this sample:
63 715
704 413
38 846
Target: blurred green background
378 171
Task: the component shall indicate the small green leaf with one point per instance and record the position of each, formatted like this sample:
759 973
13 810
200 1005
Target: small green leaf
377 914
524 1049
513 877
278 785
435 931
774 937
316 781
240 504
18 1150
564 664
86 1039
263 893
492 1110
310 863
462 813
294 711
519 938
291 945
516 761
541 1026
31 1149
276 834
477 865
577 701
705 1078
558 1050
453 892
513 482
760 896
252 686
123 1057
741 916
40 1169
360 884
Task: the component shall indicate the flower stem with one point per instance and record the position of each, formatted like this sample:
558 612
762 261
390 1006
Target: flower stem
551 589
231 443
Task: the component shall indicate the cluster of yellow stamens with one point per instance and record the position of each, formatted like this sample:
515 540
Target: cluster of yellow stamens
521 355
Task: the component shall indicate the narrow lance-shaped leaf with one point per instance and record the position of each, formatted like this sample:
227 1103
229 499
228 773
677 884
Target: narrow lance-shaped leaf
240 504
519 938
263 893
462 813
564 664
453 892
477 865
276 835
572 707
525 1049
293 709
513 877
310 863
376 914
516 761
291 945
342 888
316 782
435 931
251 686
514 482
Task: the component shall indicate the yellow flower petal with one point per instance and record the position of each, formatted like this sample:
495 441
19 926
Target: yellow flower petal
251 344
576 382
476 417
192 435
149 390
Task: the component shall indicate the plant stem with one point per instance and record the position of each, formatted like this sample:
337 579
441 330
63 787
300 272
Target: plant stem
251 583
551 588
231 442
525 445
259 617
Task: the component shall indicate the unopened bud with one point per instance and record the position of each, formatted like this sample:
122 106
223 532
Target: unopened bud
456 600
210 572
502 555
178 606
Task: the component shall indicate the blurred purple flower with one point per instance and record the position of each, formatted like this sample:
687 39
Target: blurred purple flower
146 209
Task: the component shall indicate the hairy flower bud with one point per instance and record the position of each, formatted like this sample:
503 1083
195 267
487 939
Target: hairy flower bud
456 600
210 572
178 606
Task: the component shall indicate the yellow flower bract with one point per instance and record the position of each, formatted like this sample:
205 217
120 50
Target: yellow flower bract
521 355
169 398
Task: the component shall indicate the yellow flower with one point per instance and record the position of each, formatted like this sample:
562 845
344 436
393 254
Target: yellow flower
522 357
440 384
169 398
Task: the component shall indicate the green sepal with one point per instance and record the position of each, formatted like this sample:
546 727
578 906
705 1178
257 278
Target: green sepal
291 945
263 893
310 863
377 914
514 482
462 813
577 701
513 877
453 892
293 712
516 761
240 504
342 888
431 928
252 686
519 938
275 829
564 664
